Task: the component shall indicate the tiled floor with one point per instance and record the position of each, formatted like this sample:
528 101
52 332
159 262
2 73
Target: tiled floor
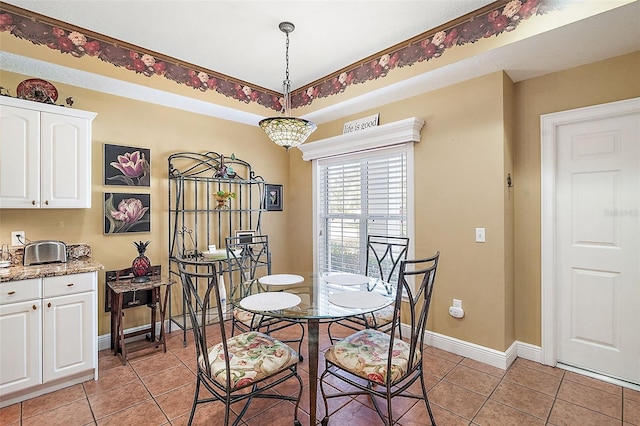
157 389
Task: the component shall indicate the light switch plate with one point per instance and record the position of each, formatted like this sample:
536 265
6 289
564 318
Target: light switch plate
480 235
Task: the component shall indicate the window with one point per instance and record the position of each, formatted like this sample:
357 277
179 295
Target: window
359 194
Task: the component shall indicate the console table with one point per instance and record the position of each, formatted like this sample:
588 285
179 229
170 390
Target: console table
117 289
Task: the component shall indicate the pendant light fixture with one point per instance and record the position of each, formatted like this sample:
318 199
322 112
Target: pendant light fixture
287 131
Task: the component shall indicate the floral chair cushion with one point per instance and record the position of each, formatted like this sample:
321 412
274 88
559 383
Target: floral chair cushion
366 352
252 357
247 318
380 317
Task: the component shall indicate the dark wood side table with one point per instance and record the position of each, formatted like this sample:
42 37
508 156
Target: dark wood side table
117 289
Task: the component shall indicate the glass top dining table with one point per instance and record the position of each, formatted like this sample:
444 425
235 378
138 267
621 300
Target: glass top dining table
314 298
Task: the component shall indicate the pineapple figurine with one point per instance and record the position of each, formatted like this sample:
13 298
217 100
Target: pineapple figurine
141 265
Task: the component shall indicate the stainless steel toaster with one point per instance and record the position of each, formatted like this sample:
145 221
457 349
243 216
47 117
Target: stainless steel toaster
45 251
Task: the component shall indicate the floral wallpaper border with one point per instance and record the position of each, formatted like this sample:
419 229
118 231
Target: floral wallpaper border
77 42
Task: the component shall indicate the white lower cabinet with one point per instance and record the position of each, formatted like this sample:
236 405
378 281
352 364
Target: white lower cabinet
48 342
68 335
20 346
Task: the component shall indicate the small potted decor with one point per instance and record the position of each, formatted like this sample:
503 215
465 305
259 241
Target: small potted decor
141 265
222 197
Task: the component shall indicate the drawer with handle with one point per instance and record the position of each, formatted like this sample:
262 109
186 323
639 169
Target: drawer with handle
21 290
69 284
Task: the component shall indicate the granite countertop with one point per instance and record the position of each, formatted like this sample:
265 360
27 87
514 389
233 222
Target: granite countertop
79 260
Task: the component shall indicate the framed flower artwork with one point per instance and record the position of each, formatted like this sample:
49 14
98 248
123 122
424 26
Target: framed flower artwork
273 197
126 213
127 166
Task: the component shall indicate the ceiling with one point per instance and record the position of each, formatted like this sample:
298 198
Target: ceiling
241 38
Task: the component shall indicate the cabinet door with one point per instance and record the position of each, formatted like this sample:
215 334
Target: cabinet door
19 157
69 335
20 346
65 161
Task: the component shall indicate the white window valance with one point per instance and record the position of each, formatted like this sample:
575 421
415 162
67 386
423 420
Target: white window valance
407 130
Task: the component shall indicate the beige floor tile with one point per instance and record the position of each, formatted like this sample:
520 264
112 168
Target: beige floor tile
117 399
521 362
592 399
474 380
114 377
534 379
565 413
75 413
50 401
496 414
631 411
168 379
485 368
593 383
523 399
154 363
631 394
177 402
146 413
10 414
418 416
437 366
456 399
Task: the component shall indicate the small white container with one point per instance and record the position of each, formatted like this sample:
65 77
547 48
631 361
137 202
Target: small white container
212 248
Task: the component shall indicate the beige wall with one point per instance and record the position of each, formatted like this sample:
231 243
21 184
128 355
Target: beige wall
165 131
459 179
601 82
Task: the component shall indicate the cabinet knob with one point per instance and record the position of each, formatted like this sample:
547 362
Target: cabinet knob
33 202
46 202
49 305
34 307
11 293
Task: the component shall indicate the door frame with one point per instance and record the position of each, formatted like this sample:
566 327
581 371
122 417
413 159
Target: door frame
548 131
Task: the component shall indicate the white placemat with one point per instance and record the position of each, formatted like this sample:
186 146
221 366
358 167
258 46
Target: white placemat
270 301
347 279
281 279
357 299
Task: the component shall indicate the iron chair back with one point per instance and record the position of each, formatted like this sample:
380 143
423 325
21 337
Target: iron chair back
415 283
249 258
384 254
193 272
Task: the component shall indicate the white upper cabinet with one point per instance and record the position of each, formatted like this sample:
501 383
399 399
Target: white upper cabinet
45 155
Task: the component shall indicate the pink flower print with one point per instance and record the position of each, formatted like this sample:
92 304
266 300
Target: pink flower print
130 210
132 166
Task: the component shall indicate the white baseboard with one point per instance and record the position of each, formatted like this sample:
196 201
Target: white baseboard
481 353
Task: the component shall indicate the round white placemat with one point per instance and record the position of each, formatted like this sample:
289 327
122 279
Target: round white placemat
358 299
270 301
347 279
281 279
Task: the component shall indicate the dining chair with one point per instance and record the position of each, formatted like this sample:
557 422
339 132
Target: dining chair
381 365
249 259
240 368
384 254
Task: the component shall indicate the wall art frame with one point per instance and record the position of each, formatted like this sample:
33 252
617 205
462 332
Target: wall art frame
126 165
126 213
244 235
273 197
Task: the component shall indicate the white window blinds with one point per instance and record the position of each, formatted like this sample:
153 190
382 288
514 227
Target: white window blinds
359 194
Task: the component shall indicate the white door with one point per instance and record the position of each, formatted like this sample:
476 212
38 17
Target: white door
597 243
68 334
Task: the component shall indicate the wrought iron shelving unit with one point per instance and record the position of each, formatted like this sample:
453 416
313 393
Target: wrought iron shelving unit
195 221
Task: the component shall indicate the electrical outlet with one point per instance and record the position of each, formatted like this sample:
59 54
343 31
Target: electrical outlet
457 303
480 235
18 238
